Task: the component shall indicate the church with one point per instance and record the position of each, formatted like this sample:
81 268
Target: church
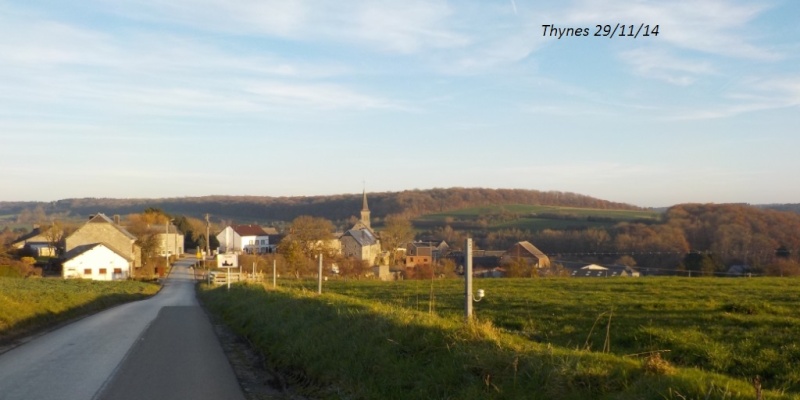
360 241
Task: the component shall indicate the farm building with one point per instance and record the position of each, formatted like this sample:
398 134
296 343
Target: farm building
528 252
97 262
37 242
101 229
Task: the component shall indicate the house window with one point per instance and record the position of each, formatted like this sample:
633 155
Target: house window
103 271
117 270
87 271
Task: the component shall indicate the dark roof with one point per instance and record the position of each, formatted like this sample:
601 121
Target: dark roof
249 230
364 237
30 235
86 247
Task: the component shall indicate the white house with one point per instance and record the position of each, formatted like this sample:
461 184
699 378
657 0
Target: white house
244 238
97 262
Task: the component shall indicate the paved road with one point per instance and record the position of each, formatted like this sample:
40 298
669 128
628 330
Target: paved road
160 348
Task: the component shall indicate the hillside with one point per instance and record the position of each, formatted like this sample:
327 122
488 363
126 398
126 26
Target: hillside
335 207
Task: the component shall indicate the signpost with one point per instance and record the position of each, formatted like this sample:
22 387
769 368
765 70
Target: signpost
228 261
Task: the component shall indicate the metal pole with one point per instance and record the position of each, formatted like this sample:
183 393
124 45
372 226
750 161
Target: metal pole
274 274
319 279
166 252
208 239
468 279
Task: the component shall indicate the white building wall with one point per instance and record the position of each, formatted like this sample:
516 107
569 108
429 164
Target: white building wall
229 241
258 244
100 264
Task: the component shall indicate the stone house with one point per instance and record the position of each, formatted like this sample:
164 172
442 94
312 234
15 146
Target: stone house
102 230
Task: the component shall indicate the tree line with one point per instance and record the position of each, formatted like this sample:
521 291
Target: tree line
410 203
706 238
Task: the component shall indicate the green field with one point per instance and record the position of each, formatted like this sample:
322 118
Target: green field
28 305
588 337
533 217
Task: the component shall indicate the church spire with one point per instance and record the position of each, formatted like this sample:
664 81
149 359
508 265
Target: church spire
365 210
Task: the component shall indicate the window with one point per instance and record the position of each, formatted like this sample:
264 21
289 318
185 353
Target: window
117 270
103 271
87 271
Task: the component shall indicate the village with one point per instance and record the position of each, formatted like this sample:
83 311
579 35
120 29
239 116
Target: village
103 249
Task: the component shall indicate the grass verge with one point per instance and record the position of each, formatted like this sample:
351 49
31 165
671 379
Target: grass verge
355 348
31 305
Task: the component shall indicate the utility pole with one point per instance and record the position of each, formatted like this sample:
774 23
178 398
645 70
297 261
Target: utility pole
319 281
468 279
208 237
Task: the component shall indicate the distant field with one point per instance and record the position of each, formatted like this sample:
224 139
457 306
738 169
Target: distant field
736 327
532 217
27 305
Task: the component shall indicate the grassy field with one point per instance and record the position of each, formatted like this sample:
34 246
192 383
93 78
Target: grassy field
28 305
548 338
533 217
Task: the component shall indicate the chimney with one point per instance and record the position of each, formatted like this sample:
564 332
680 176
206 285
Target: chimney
116 219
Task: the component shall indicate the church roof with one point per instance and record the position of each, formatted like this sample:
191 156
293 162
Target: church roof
364 237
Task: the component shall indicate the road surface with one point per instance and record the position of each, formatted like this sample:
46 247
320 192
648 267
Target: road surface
160 348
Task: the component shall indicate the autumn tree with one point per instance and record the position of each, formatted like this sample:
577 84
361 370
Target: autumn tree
55 234
397 232
627 261
308 237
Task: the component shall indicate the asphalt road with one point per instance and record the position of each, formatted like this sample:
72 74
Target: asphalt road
160 348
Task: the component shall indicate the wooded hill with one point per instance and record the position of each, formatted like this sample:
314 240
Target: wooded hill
411 203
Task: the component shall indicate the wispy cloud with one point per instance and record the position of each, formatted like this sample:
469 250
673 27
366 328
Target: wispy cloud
659 64
750 95
322 96
718 27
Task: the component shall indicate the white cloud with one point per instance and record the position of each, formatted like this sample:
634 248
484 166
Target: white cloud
321 96
750 95
659 64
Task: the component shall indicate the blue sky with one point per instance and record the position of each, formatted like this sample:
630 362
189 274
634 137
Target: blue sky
152 98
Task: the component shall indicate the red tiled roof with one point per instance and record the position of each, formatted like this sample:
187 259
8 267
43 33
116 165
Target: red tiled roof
249 230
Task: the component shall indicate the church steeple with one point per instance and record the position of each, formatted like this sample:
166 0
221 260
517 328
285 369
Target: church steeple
365 210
